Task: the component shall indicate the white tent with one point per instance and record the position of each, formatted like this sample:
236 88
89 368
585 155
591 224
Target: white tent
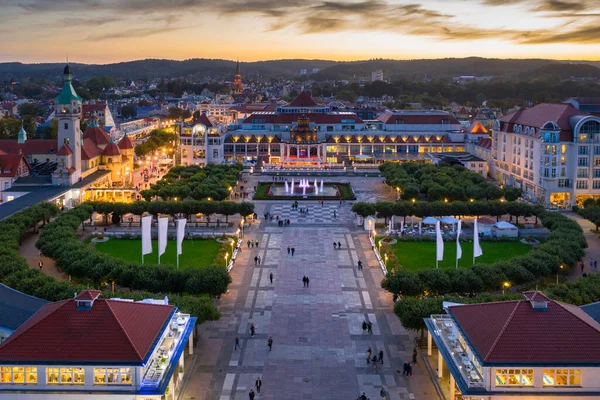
430 221
449 220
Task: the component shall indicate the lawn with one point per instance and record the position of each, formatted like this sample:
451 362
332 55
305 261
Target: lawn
415 256
196 253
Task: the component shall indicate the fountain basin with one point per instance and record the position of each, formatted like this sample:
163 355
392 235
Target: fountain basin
330 191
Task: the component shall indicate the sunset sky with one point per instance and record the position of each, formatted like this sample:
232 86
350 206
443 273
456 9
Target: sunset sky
105 31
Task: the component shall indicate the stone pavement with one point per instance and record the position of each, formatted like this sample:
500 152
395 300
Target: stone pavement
28 251
319 348
593 249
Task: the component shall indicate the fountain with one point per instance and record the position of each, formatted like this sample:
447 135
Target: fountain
287 189
292 191
321 185
316 187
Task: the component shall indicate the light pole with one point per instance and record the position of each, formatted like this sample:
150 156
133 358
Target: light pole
242 227
226 258
557 271
505 285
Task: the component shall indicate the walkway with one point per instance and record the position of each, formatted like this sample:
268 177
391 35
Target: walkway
32 255
319 348
593 249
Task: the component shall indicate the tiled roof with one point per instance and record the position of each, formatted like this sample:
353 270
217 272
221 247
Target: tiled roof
35 146
125 143
412 118
538 115
97 134
17 307
203 119
111 150
65 150
486 143
290 118
303 100
9 164
89 149
512 332
88 295
111 331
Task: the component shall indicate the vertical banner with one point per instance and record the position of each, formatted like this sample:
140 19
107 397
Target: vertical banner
458 248
180 235
146 235
163 226
476 247
439 244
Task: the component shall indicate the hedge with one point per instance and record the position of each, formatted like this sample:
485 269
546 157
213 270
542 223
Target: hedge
564 246
59 241
16 273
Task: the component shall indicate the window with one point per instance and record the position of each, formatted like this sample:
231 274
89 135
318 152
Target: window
596 184
582 172
66 125
112 376
583 150
582 185
514 377
562 377
582 161
18 375
52 375
563 183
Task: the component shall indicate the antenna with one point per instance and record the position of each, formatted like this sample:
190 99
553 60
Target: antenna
67 57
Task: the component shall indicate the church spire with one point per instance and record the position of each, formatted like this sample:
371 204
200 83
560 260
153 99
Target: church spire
237 81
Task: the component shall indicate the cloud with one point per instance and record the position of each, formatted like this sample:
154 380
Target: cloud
134 33
88 21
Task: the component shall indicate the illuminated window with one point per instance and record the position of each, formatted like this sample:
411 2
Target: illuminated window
126 376
514 377
32 375
78 376
562 377
112 376
66 376
52 375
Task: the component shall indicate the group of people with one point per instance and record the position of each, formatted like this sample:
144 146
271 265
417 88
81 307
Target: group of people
291 250
257 260
374 359
367 327
337 245
305 281
252 243
283 222
257 385
382 393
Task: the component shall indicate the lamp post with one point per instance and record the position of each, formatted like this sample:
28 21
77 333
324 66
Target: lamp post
226 258
505 286
242 227
557 271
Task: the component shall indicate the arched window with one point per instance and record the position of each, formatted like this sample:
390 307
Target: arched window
109 160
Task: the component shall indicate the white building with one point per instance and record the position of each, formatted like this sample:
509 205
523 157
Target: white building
87 347
528 349
377 75
551 152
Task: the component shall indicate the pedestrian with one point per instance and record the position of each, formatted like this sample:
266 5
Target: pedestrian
334 214
395 297
270 344
364 326
251 394
363 396
405 369
381 356
334 245
359 265
237 343
409 370
370 327
595 265
259 260
293 251
368 357
339 245
271 277
304 281
255 260
382 393
591 263
256 243
374 361
414 360
288 251
252 330
581 265
251 243
307 282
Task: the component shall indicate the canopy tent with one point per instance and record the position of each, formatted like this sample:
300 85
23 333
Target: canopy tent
449 220
430 221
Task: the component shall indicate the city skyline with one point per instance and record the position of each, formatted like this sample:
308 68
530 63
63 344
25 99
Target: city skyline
106 31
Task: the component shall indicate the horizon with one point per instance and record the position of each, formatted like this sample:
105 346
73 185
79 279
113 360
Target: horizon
110 31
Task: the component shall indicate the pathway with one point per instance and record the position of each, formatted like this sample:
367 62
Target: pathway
33 257
319 348
593 249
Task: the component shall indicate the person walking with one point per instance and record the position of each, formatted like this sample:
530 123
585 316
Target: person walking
307 282
369 356
364 326
409 370
595 265
251 394
270 343
237 343
259 260
405 369
363 396
41 265
288 251
271 277
334 245
293 251
360 265
252 330
382 393
370 327
334 214
374 361
339 245
414 359
581 265
381 356
255 260
258 385
256 243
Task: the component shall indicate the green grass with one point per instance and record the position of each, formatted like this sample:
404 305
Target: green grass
262 190
196 253
414 256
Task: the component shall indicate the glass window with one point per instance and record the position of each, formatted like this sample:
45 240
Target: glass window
126 376
514 377
52 375
18 374
99 376
31 373
113 376
66 376
562 377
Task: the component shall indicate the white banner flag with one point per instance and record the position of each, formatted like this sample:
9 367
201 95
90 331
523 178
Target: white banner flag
163 226
439 247
458 248
476 247
147 235
180 234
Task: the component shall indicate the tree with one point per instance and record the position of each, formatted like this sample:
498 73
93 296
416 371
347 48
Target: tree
98 84
364 209
345 95
384 209
30 109
402 282
129 111
9 128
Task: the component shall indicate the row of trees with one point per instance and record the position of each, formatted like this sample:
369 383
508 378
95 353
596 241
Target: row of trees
59 241
213 181
440 182
564 247
386 209
173 208
16 273
157 139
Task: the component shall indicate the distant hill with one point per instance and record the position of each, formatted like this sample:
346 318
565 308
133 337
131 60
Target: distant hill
201 68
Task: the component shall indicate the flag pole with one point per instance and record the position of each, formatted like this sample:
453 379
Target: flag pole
177 260
457 258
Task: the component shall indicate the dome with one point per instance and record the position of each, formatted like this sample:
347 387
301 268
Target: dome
111 150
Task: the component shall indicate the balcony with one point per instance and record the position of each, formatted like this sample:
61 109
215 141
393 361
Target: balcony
447 336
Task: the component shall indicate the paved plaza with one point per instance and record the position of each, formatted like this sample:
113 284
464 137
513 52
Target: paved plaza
319 349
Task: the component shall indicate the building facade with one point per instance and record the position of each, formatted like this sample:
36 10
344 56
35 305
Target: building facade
87 347
551 152
534 348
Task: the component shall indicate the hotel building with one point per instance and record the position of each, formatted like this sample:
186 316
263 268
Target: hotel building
534 348
93 348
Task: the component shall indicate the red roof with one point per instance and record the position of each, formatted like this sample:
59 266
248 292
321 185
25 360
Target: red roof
512 332
303 100
478 129
111 150
111 331
125 143
203 119
88 295
290 118
486 143
9 164
424 118
537 116
89 149
97 134
34 146
65 150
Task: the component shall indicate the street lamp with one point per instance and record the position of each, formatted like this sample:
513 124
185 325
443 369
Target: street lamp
385 257
226 257
557 271
505 285
242 227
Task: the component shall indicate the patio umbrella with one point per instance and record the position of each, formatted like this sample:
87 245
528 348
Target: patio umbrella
430 221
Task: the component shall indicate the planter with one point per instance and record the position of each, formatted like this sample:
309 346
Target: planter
100 240
226 240
530 242
388 241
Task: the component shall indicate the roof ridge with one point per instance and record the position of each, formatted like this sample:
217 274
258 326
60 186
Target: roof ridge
510 317
123 329
562 305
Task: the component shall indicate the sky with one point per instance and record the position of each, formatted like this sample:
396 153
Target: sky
107 31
